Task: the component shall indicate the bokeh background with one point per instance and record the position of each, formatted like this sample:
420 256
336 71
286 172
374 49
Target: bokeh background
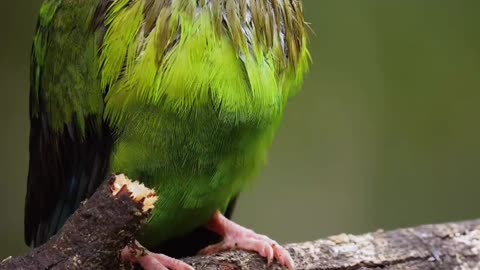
385 133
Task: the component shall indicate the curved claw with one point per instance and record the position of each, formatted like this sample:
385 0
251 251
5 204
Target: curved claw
283 256
136 253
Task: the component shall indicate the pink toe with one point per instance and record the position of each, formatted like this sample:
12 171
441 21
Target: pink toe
136 253
283 256
238 237
168 262
208 250
216 248
268 253
172 263
263 248
150 263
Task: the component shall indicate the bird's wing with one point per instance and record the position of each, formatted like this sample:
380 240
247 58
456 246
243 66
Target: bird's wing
70 144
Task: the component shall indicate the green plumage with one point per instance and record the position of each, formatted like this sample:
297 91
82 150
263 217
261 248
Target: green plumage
194 90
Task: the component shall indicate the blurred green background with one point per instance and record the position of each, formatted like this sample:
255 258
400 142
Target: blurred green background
385 133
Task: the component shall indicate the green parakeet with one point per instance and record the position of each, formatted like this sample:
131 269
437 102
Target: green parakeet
183 95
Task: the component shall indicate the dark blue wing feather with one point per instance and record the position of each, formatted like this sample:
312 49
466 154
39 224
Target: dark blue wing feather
65 168
70 144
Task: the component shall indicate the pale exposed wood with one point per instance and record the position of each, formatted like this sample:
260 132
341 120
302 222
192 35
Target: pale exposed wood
99 229
93 236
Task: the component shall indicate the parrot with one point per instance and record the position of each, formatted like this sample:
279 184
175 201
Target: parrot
183 95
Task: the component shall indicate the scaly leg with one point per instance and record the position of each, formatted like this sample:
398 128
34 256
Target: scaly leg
136 253
238 237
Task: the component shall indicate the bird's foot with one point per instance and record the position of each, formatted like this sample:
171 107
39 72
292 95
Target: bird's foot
135 253
238 237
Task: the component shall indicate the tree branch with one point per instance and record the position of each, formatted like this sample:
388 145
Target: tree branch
110 219
442 246
93 236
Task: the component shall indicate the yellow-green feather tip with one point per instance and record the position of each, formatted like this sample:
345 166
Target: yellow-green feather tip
245 57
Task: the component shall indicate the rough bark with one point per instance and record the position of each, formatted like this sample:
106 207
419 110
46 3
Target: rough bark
100 228
443 246
93 236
